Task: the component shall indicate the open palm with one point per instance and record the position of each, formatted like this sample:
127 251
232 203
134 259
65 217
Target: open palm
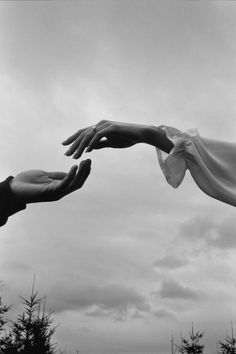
40 186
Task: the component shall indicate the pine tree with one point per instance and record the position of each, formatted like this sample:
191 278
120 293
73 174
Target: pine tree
3 309
31 333
229 345
192 345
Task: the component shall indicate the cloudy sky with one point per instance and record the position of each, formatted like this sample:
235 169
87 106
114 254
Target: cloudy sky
126 261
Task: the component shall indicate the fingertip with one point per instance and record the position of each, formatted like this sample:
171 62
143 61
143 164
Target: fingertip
86 164
89 149
76 156
65 142
67 153
89 162
82 162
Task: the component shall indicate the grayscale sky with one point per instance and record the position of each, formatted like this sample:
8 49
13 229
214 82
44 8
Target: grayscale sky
126 261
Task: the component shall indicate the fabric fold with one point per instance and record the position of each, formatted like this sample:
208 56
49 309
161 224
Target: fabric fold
212 163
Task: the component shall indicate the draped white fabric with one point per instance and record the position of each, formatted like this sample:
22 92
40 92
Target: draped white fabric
211 163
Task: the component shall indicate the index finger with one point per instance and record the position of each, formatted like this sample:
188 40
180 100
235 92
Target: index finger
73 137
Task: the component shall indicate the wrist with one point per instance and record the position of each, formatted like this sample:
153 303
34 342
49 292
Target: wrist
12 203
157 137
149 134
17 195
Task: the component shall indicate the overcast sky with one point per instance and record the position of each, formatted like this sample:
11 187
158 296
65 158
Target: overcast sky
126 261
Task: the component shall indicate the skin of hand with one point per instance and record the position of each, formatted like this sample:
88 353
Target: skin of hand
40 186
115 135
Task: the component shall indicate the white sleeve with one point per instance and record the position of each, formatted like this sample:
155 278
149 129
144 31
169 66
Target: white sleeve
211 163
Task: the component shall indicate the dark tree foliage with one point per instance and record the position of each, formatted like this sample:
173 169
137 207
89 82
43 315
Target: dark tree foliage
3 310
228 346
191 345
31 333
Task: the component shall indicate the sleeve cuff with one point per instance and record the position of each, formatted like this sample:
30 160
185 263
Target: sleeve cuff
174 165
9 204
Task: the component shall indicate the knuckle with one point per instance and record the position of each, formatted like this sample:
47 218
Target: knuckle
82 135
77 133
91 132
103 121
99 134
75 143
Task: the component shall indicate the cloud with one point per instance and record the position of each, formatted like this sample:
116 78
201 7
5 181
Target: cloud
198 228
218 234
170 262
163 314
170 289
226 235
116 314
110 300
55 37
14 267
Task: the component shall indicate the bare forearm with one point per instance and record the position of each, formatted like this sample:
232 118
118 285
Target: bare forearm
157 137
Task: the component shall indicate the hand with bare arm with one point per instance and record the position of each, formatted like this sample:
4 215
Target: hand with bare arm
115 135
210 162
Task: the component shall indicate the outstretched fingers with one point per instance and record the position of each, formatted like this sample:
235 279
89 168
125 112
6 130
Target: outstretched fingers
83 144
73 137
75 145
75 179
81 176
66 181
82 138
104 133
